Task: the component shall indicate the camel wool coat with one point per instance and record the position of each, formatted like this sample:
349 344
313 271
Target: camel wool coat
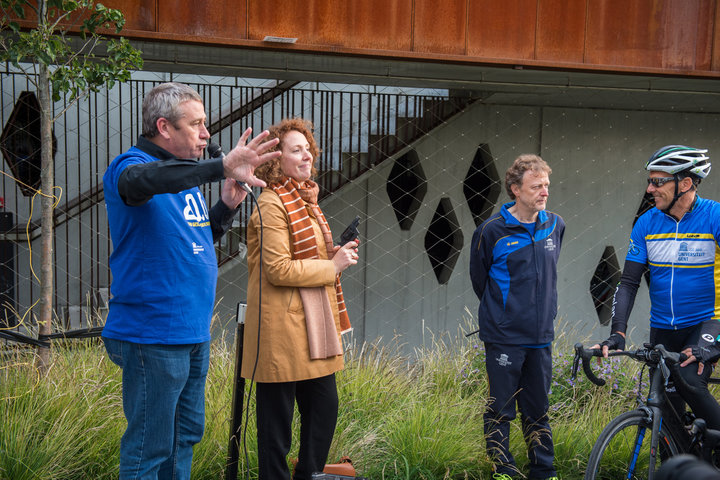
284 354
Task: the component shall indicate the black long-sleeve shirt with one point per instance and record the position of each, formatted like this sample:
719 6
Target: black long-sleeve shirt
625 293
138 183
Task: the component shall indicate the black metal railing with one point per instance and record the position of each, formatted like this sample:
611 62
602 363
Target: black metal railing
356 127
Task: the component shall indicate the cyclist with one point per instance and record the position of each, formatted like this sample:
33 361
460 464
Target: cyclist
678 241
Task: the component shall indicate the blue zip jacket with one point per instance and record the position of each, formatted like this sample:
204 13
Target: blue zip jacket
514 274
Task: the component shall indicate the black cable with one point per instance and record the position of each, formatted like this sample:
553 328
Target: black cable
20 338
257 350
83 333
41 341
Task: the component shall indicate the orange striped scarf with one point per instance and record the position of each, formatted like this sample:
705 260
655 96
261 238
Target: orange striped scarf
294 197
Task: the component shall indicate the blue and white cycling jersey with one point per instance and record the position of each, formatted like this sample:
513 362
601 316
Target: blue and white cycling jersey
684 262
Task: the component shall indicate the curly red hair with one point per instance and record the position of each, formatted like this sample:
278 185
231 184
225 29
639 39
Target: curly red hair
270 172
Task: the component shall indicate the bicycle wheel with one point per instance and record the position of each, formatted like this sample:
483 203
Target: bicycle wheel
623 449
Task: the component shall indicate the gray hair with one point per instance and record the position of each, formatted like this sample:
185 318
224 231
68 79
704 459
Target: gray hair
162 102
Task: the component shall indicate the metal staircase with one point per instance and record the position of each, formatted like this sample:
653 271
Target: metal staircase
357 127
394 135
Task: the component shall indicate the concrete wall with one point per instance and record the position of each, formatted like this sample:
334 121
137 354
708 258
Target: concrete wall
597 185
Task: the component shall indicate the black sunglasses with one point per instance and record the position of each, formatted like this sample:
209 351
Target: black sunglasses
658 182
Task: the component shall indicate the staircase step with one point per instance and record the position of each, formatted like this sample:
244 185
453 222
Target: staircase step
382 146
102 298
76 317
405 130
409 128
436 110
232 241
354 163
331 179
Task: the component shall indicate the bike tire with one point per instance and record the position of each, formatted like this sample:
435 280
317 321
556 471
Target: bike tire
623 449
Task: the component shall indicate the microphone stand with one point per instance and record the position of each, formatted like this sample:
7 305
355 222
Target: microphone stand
231 467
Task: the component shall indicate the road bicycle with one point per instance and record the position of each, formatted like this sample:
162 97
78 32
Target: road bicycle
634 444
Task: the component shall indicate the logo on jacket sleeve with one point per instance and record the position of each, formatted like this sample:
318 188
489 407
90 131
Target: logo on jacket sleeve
632 248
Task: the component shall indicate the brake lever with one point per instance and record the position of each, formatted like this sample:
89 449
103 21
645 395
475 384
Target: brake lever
575 365
585 356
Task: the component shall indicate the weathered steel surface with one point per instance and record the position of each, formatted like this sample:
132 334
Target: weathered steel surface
659 36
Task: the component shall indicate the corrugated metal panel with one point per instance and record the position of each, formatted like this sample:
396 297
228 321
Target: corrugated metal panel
657 36
659 33
440 27
502 29
561 31
705 23
139 14
371 24
716 41
205 19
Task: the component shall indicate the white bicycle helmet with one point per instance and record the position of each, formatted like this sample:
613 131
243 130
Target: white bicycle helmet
675 159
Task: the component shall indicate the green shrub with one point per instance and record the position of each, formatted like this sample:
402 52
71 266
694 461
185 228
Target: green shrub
400 417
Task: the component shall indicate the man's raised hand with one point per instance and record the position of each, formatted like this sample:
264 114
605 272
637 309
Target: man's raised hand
241 161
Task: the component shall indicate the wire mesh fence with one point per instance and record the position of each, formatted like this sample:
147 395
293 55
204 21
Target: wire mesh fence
421 167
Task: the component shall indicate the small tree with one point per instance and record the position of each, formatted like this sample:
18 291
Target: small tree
58 56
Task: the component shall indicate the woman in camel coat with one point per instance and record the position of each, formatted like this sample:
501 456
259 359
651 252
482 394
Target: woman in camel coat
295 311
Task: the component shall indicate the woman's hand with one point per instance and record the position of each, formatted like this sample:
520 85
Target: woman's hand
345 256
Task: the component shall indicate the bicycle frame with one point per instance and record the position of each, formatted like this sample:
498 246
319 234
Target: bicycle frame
651 408
672 436
655 401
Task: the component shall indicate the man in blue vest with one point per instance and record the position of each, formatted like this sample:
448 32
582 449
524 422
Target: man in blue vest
513 268
164 275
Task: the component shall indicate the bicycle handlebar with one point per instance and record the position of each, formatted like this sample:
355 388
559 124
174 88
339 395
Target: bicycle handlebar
585 354
656 355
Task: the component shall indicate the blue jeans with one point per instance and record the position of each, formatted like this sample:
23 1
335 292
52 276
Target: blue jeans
163 388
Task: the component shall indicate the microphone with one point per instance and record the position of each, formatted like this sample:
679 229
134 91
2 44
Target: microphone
215 151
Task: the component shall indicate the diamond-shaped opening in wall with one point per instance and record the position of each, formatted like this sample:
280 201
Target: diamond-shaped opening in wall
646 204
20 143
481 186
443 240
603 283
406 187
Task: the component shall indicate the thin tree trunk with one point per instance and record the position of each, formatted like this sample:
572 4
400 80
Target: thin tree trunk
47 177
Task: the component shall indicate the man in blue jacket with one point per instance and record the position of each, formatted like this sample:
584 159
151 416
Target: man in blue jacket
513 268
164 275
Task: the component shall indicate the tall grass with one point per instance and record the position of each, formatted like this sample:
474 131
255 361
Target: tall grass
66 424
400 418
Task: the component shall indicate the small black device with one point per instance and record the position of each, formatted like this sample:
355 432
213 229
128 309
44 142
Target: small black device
350 233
